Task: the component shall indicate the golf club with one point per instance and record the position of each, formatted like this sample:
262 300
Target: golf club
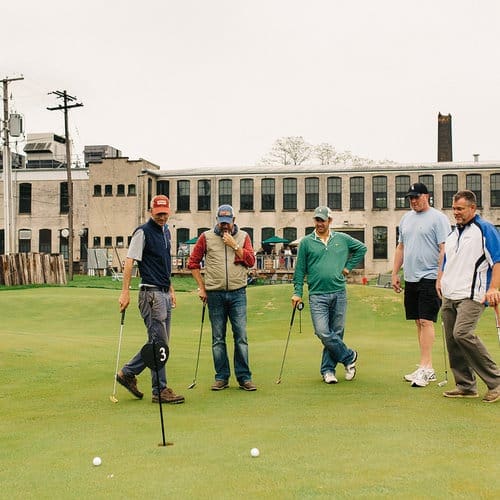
113 397
497 320
199 346
296 306
445 381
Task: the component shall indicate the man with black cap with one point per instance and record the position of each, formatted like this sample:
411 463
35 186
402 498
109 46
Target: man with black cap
228 254
420 250
326 257
150 248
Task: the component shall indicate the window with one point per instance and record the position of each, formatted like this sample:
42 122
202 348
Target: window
45 241
495 190
119 241
379 188
2 240
380 242
63 198
450 187
97 190
268 195
402 186
357 197
473 183
290 233
120 190
183 196
182 236
289 194
108 241
309 230
97 241
24 241
203 194
63 246
312 193
24 198
225 192
334 193
428 180
249 230
131 190
163 187
246 194
266 233
108 190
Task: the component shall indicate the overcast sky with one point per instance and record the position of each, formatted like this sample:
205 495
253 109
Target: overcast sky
193 83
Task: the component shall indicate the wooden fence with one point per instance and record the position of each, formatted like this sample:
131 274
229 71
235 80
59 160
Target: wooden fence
31 269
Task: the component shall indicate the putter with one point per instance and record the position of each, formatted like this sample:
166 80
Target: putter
445 381
113 397
298 306
497 320
199 347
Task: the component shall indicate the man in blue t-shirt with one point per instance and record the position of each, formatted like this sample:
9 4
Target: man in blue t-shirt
422 233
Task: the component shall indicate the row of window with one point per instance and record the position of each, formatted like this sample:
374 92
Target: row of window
289 201
380 190
120 190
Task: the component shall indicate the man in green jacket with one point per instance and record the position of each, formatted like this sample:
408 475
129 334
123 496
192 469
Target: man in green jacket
326 258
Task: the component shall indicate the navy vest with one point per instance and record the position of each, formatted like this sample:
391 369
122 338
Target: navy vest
156 264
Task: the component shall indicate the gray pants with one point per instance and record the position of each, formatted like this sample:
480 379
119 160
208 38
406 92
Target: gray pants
467 353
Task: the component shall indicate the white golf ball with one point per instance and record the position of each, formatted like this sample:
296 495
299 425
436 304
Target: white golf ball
97 461
255 452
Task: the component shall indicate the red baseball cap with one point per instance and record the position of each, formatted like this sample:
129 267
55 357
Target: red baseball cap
160 204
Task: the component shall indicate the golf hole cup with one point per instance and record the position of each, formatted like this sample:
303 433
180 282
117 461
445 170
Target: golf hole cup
254 452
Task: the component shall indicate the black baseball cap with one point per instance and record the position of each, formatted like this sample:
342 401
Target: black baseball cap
417 189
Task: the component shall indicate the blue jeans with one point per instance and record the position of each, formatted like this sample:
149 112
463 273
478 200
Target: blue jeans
156 311
328 312
232 305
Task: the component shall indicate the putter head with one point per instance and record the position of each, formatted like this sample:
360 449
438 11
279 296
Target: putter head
113 399
190 386
442 383
278 381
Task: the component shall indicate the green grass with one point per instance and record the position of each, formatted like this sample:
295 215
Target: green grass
373 437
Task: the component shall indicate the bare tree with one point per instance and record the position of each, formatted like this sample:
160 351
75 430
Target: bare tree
291 150
326 154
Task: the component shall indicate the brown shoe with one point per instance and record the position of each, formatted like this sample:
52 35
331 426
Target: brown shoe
168 396
220 385
458 393
248 386
492 396
130 383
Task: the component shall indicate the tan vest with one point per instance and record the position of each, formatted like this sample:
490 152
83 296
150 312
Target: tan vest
221 273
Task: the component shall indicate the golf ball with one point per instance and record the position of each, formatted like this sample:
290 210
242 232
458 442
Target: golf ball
255 452
97 461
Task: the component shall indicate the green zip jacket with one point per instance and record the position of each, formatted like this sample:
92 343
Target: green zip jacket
323 264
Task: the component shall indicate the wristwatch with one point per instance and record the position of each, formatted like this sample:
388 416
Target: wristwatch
236 248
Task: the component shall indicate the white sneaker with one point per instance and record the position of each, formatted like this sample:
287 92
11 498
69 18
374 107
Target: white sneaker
350 369
423 377
411 376
330 378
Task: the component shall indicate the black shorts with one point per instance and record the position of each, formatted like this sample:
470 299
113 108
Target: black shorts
422 300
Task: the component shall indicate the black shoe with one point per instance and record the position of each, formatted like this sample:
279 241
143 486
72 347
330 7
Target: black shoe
130 383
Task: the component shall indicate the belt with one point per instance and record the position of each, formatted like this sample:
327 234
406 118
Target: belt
154 288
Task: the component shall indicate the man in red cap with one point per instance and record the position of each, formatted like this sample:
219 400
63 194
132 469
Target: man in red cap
150 248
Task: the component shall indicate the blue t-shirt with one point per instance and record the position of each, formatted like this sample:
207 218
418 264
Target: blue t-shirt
421 233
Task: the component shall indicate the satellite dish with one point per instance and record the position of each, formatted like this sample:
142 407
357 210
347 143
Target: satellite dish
64 233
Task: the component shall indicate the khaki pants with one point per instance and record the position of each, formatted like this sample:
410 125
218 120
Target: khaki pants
467 353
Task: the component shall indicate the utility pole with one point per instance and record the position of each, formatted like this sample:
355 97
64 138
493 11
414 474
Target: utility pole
67 99
8 213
